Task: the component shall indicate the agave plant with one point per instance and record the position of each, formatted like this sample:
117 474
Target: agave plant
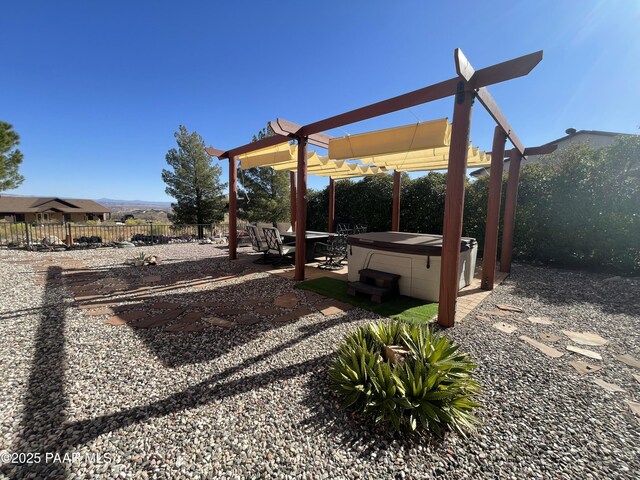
141 256
407 376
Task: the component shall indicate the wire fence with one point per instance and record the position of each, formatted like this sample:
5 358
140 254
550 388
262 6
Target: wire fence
25 235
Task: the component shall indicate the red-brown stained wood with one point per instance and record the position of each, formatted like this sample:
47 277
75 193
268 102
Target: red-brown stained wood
395 209
301 209
332 205
453 207
292 198
509 220
233 207
489 257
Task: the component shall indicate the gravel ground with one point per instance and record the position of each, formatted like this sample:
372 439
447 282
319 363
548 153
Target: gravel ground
253 402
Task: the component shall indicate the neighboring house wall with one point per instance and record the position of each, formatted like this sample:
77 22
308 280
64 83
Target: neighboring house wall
594 140
592 137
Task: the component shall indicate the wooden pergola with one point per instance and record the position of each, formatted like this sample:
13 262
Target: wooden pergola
468 85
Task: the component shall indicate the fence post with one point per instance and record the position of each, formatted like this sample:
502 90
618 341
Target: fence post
69 237
26 232
151 227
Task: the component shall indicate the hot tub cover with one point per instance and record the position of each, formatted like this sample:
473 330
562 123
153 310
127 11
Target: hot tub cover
403 242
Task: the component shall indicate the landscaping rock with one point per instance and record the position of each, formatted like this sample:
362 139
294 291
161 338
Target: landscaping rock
585 352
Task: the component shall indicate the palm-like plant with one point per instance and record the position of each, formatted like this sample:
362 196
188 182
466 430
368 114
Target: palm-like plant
406 376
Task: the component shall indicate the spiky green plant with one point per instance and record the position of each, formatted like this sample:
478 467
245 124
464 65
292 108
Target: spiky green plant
430 385
141 257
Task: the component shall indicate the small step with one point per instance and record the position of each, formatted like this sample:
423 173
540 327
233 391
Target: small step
378 275
378 294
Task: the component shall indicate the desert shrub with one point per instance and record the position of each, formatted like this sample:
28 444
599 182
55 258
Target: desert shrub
406 376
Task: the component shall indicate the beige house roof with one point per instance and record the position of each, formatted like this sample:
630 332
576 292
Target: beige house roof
10 204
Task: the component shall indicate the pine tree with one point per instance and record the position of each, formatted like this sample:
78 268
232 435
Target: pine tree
264 192
10 158
194 182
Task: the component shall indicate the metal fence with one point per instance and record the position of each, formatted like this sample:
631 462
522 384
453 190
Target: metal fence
27 235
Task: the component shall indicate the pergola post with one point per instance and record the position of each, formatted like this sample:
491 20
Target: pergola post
233 208
454 205
292 198
493 210
509 221
395 215
301 209
332 205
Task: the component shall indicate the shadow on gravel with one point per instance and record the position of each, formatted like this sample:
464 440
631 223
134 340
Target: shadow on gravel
44 428
573 287
45 402
176 349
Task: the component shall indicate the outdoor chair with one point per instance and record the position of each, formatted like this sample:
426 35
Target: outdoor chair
259 245
344 229
261 226
276 246
284 227
334 251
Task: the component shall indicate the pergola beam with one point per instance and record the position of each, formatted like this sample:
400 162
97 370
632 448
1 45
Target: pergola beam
285 127
495 74
493 211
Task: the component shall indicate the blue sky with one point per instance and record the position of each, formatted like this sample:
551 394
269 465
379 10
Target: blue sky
96 89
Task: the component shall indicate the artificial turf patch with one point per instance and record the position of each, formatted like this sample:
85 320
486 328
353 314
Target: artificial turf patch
404 308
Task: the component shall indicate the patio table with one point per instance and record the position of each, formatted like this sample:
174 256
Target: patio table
311 238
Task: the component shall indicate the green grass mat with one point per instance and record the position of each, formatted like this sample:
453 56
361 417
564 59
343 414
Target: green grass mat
403 308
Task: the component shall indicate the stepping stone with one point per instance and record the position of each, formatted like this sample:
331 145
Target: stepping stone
541 320
609 387
637 377
92 306
151 278
505 327
583 367
294 315
331 310
496 313
343 307
509 308
585 352
229 311
97 313
186 321
546 349
84 298
483 318
585 338
247 319
219 322
287 300
634 407
267 310
124 318
313 297
158 320
629 360
164 305
549 337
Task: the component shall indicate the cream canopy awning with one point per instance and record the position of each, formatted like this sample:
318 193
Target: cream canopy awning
417 147
418 136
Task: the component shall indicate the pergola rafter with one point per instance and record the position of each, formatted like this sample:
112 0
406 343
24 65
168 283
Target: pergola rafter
465 87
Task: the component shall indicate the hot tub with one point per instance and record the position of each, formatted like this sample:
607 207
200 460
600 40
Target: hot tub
414 256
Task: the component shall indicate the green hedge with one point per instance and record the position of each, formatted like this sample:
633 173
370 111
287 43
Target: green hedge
581 208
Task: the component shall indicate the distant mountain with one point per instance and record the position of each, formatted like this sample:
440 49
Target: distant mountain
141 203
134 204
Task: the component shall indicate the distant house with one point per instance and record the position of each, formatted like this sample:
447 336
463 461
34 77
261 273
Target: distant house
595 138
50 210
